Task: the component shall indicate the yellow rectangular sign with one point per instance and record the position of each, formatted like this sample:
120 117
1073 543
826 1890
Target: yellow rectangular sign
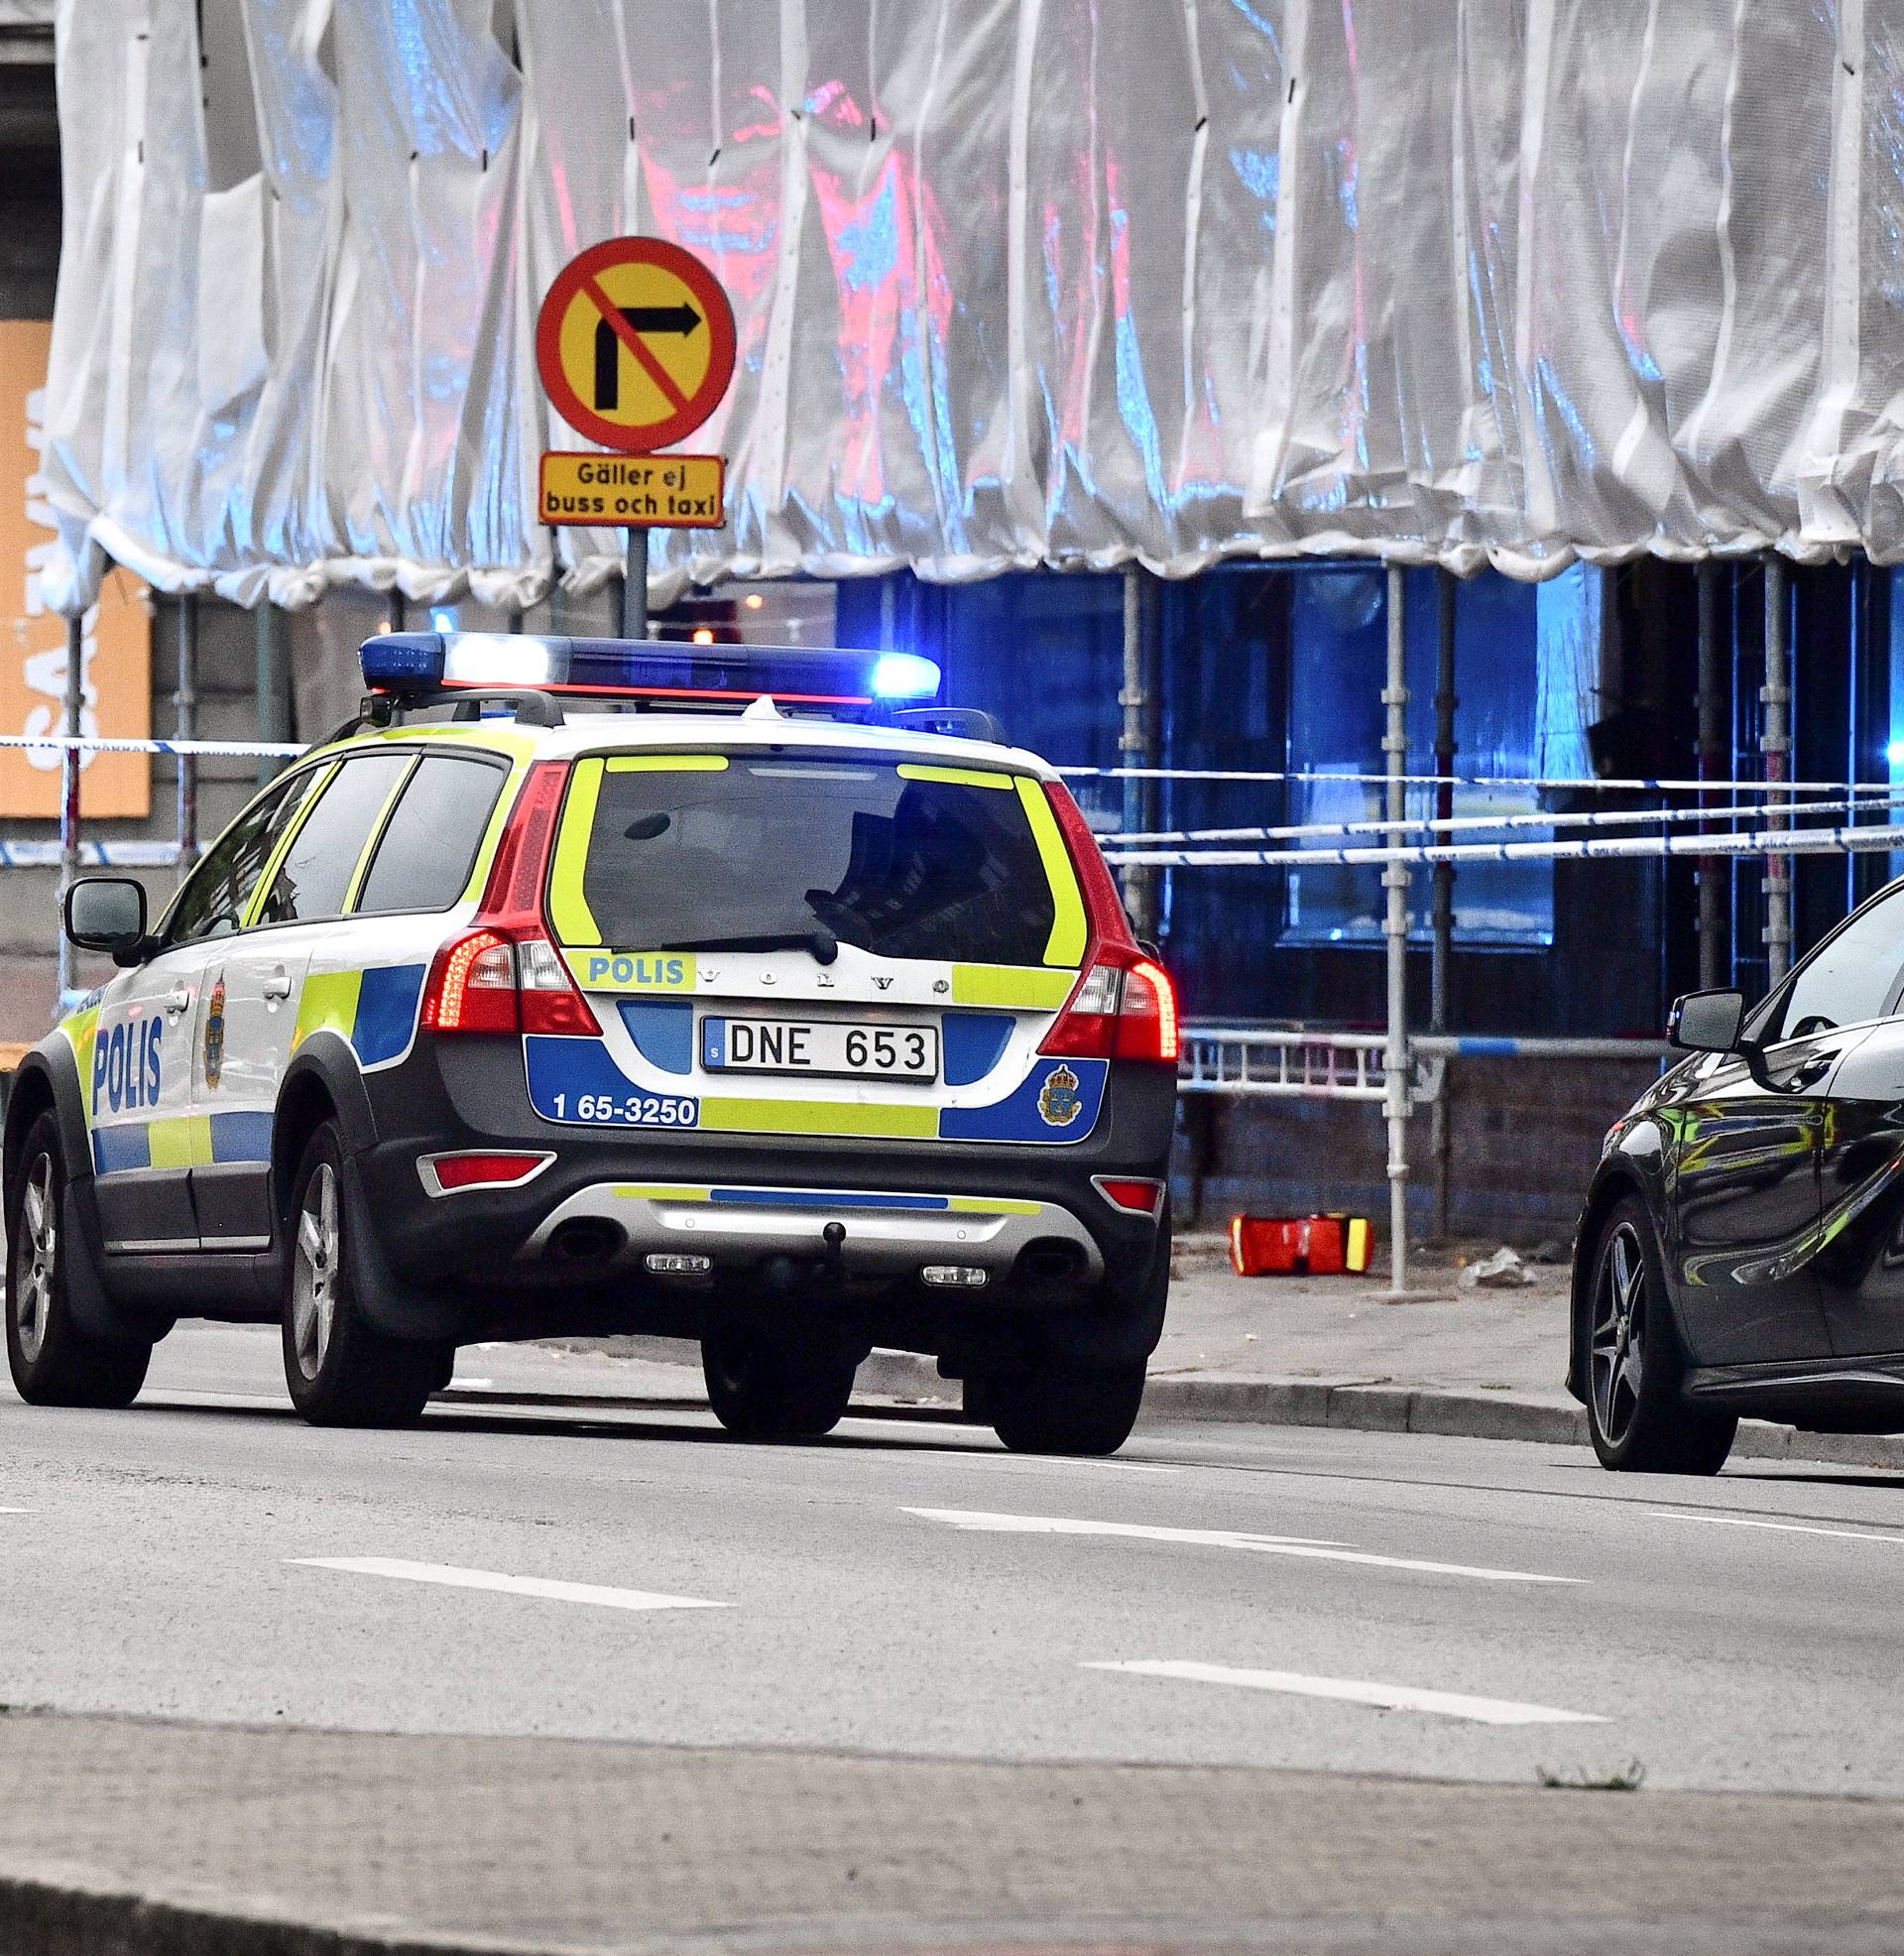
635 492
116 646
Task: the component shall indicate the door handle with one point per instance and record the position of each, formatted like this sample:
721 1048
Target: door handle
1811 1071
179 998
276 983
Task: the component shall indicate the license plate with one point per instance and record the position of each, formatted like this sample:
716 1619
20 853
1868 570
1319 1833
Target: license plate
805 1045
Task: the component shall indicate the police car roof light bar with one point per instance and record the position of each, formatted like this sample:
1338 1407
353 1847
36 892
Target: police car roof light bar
429 665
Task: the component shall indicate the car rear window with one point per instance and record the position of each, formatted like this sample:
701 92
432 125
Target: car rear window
902 860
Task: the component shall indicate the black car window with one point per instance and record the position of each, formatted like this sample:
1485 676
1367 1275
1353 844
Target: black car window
212 902
423 859
314 877
1848 978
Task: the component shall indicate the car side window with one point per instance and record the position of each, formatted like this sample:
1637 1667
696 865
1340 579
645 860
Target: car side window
1848 979
316 875
212 902
429 846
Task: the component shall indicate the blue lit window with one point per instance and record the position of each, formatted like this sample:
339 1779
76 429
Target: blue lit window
1525 660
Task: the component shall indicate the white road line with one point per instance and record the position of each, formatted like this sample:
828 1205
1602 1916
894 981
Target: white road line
1359 1691
558 1592
15 1511
1300 1546
1781 1528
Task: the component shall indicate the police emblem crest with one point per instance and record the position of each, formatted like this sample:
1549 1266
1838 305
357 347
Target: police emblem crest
215 1033
1058 1101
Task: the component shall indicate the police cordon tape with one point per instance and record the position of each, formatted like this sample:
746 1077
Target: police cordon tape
291 749
1880 799
1762 842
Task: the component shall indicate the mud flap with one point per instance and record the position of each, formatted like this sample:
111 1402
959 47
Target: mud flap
93 1308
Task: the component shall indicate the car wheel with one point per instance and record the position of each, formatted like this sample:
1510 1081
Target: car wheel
1060 1405
52 1360
341 1370
763 1388
1636 1414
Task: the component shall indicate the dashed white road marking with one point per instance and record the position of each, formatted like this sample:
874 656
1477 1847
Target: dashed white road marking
1780 1527
1300 1546
455 1578
15 1511
1362 1691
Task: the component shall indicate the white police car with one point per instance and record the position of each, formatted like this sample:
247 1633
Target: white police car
583 986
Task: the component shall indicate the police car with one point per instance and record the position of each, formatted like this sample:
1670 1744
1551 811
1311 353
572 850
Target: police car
582 986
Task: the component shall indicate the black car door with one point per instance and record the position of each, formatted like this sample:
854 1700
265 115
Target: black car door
1861 1182
1744 1189
1780 1181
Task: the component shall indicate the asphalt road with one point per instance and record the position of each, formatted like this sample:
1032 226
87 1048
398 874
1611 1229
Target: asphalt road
1292 1597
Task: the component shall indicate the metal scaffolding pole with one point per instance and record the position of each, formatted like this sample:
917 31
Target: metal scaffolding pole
1714 764
70 791
186 724
1775 744
1444 879
635 586
1395 1100
1137 744
274 723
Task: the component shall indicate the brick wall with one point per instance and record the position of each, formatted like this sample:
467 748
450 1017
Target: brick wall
1525 1137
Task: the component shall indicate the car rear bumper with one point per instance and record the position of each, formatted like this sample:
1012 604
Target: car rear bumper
568 1246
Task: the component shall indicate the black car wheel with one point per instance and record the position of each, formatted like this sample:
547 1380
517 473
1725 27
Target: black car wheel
1062 1406
1637 1411
52 1360
341 1369
765 1389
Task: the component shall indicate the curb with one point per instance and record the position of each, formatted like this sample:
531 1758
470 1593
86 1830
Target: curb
1349 1406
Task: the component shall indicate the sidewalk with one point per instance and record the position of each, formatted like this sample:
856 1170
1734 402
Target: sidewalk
1484 1364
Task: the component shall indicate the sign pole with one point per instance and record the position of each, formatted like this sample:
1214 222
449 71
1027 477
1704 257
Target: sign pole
634 585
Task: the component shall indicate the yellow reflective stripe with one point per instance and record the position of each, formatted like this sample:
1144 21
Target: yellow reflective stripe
356 885
1069 930
1023 987
328 1002
493 836
569 908
819 1117
667 764
182 1140
956 776
314 785
81 1029
659 1192
984 1206
505 741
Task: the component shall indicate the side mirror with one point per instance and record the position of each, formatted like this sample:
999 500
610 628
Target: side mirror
107 914
1708 1022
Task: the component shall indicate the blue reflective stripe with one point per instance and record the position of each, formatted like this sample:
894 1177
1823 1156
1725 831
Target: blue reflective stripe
120 1148
241 1137
386 1012
974 1044
1481 1048
821 1198
663 1031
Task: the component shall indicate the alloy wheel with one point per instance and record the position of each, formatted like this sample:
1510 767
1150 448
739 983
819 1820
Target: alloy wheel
37 1257
1615 1356
313 1297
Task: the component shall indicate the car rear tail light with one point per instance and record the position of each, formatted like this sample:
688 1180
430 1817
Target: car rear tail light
1124 1005
504 975
1129 1193
444 1175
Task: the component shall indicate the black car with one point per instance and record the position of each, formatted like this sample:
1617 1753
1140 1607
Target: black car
1741 1249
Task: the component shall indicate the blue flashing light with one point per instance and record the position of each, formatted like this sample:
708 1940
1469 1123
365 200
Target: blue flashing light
904 676
712 674
442 619
1894 754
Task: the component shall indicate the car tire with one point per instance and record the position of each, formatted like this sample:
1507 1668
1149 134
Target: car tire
1636 1414
53 1361
764 1389
341 1369
1061 1406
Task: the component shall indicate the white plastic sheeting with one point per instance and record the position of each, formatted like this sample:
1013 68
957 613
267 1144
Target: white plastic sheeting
1017 281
